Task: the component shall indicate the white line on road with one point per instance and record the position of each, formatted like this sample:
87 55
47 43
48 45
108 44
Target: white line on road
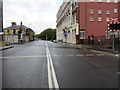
79 55
57 55
69 55
24 56
88 55
52 79
100 54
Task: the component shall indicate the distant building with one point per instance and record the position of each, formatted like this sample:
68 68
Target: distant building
84 22
18 34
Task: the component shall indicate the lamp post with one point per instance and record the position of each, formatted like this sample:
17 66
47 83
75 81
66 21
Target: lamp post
1 24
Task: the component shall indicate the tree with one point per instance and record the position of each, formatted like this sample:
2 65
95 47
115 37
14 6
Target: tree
47 34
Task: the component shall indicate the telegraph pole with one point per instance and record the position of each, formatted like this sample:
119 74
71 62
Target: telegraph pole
1 24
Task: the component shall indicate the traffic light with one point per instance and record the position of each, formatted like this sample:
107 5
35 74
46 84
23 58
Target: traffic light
115 26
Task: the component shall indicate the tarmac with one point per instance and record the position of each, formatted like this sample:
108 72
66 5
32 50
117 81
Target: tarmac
93 48
96 48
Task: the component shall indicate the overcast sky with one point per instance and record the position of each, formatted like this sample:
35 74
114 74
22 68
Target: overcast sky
36 14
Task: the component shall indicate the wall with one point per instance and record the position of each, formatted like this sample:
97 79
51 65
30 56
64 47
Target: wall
11 39
95 27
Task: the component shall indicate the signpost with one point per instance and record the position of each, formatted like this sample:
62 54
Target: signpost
113 25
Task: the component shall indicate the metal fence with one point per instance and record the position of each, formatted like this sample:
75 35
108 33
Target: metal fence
111 42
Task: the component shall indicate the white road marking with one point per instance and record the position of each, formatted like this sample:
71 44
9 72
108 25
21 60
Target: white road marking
79 55
100 54
24 56
69 55
88 55
57 55
52 79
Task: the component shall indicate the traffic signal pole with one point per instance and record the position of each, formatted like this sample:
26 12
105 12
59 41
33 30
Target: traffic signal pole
113 46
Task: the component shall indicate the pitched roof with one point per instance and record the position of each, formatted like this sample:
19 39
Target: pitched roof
17 27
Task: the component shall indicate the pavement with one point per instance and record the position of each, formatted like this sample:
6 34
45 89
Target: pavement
6 47
44 64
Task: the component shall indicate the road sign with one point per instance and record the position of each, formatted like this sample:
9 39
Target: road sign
113 24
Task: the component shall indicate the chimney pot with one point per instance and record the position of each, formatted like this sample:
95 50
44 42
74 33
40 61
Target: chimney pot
21 23
14 24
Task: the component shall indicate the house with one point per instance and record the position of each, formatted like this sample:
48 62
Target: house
18 34
85 22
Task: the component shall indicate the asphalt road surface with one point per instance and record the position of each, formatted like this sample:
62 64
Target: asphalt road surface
44 64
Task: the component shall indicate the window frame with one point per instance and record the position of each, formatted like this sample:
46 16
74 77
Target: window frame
82 34
91 18
91 11
107 19
99 19
115 10
99 11
108 1
107 12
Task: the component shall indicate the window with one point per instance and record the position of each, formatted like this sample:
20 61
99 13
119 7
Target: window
13 31
107 11
82 34
107 19
91 18
91 11
99 0
115 10
91 0
115 1
74 18
108 1
99 18
99 11
8 31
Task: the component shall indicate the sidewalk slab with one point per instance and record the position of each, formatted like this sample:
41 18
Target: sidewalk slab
6 47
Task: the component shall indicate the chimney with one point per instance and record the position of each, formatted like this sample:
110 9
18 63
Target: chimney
14 24
21 23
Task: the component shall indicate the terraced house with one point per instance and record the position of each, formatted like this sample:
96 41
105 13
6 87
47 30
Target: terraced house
18 34
85 22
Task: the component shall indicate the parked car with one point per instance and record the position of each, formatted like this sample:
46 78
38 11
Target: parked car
55 41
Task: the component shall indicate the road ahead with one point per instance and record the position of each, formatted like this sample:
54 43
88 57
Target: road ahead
44 64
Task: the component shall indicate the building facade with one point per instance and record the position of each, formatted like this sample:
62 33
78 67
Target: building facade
87 21
66 24
18 34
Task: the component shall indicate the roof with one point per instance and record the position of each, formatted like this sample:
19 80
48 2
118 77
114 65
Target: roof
17 27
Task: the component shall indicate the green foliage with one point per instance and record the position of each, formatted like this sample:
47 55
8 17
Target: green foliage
49 34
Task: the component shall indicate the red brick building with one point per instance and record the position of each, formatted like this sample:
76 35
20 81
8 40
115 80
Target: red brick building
85 22
93 18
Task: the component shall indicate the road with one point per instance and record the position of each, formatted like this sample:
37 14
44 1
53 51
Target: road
44 64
